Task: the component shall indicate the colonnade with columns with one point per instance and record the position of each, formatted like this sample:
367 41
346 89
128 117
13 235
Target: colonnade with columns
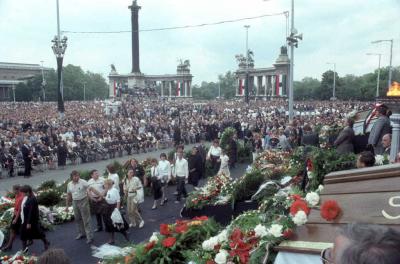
176 88
263 85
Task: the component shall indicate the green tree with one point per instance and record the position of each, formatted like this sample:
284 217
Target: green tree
307 88
73 79
228 85
325 91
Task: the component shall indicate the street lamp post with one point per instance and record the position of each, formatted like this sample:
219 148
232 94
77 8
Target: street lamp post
84 91
334 80
379 71
391 57
13 89
292 40
59 47
246 92
43 83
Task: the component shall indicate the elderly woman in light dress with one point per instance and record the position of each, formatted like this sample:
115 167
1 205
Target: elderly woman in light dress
133 190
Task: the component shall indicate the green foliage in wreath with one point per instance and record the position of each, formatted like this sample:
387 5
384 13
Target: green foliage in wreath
248 185
49 197
226 138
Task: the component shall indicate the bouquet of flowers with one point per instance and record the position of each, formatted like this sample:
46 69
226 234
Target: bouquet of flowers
172 244
209 193
18 258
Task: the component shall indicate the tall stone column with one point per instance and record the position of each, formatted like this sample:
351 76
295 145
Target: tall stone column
162 88
170 88
135 36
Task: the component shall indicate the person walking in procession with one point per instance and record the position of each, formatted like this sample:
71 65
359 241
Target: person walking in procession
134 194
155 183
77 190
96 202
164 170
181 175
113 200
30 222
16 219
195 167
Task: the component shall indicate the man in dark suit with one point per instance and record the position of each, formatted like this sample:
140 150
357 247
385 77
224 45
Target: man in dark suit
309 138
195 167
380 128
27 156
344 142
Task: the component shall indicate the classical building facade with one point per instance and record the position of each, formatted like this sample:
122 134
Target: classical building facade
263 82
169 85
11 74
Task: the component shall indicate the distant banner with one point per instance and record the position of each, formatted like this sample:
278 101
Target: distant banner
240 87
178 89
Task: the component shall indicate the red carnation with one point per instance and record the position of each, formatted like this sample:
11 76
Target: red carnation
299 205
149 246
164 230
310 166
169 242
236 235
295 197
217 247
181 228
288 233
330 210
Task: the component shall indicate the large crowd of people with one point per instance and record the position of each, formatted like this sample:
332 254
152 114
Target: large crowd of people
31 134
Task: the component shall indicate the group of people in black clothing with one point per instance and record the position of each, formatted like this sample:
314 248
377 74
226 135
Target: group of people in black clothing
25 220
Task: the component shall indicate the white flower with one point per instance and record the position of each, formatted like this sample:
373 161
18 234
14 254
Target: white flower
210 243
300 218
379 159
223 236
221 257
154 237
260 231
320 188
275 230
310 174
312 198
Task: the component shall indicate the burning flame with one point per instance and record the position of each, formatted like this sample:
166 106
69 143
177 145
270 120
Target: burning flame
394 90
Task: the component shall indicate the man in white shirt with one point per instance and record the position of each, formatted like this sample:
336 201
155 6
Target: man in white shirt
77 193
97 183
112 175
181 174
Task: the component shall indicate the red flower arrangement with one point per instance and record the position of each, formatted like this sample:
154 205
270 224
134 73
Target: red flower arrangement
164 230
169 242
149 246
310 166
295 197
330 210
241 244
299 205
210 262
181 228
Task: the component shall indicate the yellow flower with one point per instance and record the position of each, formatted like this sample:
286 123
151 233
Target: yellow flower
194 223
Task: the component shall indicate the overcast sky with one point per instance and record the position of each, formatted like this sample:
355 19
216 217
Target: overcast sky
334 31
